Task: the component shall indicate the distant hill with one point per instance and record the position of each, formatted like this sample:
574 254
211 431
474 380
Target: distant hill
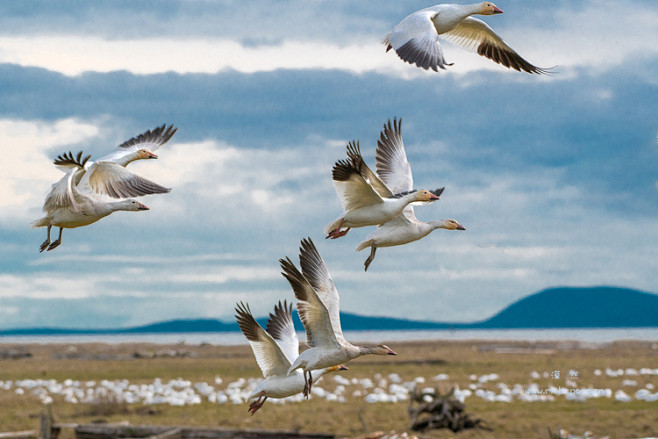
587 307
565 307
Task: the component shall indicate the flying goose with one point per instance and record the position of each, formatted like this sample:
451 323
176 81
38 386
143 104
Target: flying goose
73 205
275 348
318 309
416 38
394 172
365 201
105 176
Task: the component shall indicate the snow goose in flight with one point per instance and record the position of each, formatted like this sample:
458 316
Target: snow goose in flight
366 201
275 348
416 38
108 179
402 229
318 309
141 146
75 205
394 172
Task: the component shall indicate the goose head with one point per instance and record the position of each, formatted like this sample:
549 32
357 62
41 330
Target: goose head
145 154
488 8
131 205
451 224
337 368
380 349
424 195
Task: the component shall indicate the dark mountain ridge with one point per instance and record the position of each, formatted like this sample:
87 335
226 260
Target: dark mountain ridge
563 307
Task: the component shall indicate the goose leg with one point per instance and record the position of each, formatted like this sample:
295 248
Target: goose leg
253 408
337 233
47 241
58 242
373 249
307 384
310 382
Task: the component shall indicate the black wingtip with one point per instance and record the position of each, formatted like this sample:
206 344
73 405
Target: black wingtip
438 192
68 159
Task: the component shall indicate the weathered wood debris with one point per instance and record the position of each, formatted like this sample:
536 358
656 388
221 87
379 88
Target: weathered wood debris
389 435
26 434
430 410
114 431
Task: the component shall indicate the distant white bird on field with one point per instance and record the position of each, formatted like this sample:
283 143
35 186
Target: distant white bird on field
318 309
416 38
366 201
394 172
75 204
275 348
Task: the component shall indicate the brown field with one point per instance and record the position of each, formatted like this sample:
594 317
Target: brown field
512 361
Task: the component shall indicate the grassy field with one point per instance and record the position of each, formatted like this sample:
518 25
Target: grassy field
513 362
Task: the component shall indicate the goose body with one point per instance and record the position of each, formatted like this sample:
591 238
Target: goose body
416 38
274 348
69 206
394 174
366 202
403 229
318 309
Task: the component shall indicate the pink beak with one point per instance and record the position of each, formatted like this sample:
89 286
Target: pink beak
142 207
497 10
152 156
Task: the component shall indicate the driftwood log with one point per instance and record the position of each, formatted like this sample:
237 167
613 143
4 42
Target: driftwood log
430 410
100 431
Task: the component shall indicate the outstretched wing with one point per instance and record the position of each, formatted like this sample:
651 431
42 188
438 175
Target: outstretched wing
111 179
269 356
391 159
474 34
416 41
312 311
151 139
281 328
61 193
315 271
352 188
354 154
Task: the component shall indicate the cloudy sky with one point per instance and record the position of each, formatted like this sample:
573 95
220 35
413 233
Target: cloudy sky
554 177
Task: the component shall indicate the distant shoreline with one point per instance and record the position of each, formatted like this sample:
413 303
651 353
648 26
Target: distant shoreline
581 335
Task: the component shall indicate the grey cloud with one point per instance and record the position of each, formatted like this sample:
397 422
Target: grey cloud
495 124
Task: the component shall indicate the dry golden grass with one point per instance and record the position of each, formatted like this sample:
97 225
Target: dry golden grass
425 359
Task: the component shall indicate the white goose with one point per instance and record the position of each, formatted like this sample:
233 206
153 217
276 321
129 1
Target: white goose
416 38
394 172
363 203
275 348
402 229
318 309
73 205
141 146
104 178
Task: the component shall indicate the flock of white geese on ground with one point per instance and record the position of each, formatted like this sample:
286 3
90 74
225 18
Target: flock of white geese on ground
384 198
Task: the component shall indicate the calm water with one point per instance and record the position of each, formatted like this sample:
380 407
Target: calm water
236 338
